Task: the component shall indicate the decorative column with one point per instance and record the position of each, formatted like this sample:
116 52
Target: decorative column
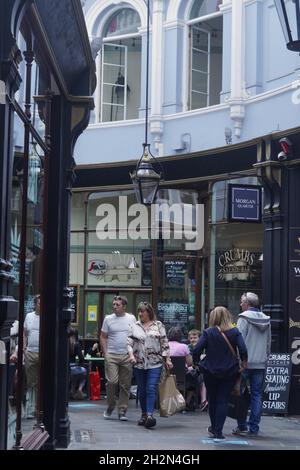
156 123
273 179
68 119
236 100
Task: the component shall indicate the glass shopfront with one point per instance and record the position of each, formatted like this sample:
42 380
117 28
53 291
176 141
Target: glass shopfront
235 257
110 255
109 258
27 236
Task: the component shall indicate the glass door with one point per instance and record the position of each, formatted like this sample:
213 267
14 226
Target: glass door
178 291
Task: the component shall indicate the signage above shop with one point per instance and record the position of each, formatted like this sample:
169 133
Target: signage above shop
244 203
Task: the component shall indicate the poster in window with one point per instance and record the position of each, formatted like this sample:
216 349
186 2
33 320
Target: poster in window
74 303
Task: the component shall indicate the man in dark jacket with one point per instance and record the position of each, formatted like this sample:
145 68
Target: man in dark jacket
255 328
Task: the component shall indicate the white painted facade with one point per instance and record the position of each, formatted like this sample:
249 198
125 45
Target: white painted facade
260 79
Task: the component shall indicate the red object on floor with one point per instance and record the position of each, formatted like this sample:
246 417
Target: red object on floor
95 385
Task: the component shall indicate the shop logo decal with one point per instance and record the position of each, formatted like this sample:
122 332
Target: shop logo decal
97 267
236 264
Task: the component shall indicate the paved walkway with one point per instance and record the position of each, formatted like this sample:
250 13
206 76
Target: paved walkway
90 431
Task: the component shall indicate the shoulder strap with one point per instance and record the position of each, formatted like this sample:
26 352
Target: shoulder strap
227 341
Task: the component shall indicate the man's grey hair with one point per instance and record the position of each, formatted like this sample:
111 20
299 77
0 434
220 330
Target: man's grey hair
251 298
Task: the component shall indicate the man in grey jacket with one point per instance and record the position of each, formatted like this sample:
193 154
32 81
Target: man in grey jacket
255 328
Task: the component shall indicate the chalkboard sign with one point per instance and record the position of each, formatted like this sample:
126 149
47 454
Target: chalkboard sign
175 273
74 300
277 384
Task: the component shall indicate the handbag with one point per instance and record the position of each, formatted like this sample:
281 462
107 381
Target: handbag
170 399
236 391
238 405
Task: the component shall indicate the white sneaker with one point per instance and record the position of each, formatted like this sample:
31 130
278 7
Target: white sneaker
123 417
107 414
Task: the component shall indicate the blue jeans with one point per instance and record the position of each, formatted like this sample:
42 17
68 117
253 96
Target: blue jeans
147 381
218 391
256 380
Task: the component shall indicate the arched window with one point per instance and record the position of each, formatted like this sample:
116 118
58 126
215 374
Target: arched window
121 67
206 46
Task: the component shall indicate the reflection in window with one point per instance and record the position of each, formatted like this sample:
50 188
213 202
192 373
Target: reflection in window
125 21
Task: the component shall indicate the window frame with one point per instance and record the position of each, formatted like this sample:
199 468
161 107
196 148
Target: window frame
189 25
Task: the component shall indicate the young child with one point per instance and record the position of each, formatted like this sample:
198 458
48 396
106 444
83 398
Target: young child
193 337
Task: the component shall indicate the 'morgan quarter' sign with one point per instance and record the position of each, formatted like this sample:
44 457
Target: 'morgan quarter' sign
244 203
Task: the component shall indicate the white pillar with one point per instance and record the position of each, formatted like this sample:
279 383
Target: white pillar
156 123
237 108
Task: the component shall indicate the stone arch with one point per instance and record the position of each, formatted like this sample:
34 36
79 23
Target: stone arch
17 14
100 11
178 10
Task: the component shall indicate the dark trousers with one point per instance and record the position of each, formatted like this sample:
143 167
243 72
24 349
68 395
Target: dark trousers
218 391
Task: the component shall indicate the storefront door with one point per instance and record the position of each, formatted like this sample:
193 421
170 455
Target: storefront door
177 289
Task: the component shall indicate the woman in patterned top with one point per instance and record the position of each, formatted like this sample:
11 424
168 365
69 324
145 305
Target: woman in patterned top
148 348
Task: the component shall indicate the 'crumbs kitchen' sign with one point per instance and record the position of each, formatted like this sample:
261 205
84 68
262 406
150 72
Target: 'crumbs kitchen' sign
277 384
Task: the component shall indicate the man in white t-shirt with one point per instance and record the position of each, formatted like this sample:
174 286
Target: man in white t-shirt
118 369
31 356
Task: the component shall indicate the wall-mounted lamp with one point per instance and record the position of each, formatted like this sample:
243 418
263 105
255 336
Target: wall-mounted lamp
145 178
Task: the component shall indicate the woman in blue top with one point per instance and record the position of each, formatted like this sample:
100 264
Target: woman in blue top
220 366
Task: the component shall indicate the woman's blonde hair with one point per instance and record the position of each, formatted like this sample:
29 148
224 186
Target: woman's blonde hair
221 317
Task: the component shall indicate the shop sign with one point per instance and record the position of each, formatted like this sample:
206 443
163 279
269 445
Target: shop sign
277 384
244 203
173 313
235 264
114 270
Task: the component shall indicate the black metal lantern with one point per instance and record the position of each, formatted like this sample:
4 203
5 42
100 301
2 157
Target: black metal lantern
289 16
145 178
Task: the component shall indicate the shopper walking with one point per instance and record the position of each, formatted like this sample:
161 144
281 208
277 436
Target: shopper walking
148 350
31 356
118 369
255 328
220 366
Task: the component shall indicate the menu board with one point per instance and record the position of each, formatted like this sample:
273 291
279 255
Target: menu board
175 273
277 384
